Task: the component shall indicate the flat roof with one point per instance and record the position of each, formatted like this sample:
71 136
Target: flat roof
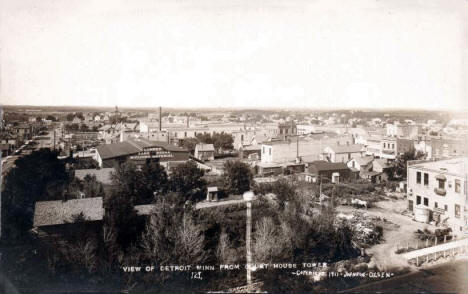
457 166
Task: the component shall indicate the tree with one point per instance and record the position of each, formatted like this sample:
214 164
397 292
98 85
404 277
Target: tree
222 141
122 220
51 118
205 138
141 185
84 128
399 168
238 176
187 179
25 184
91 187
172 236
80 115
189 144
70 116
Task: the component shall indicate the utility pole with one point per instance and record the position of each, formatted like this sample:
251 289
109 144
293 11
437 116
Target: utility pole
249 196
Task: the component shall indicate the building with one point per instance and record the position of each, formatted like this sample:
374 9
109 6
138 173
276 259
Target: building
403 130
439 189
287 129
253 152
204 151
443 148
331 171
370 168
58 217
360 163
297 148
140 151
381 147
342 153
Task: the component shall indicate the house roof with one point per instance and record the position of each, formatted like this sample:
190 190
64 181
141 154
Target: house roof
204 147
347 148
103 175
370 173
382 162
116 150
321 165
47 213
364 160
130 147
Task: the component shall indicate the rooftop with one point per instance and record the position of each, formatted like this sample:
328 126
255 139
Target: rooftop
321 165
130 147
60 212
204 147
458 166
347 148
364 160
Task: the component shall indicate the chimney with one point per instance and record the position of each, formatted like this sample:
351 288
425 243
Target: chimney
160 118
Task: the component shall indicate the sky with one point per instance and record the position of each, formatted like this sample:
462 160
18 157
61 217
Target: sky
236 53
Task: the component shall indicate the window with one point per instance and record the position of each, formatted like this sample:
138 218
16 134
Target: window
418 200
263 149
384 145
426 201
457 186
418 177
426 179
457 211
441 184
436 205
269 150
445 207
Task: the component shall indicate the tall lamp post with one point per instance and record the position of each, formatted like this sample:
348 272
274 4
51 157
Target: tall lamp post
248 197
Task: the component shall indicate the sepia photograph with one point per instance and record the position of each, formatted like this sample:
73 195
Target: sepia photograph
233 146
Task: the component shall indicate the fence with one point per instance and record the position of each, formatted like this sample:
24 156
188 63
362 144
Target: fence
429 242
433 253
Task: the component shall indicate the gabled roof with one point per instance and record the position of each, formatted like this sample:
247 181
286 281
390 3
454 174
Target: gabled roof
347 148
321 165
382 162
107 151
204 147
364 160
47 213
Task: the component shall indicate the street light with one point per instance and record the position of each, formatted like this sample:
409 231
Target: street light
248 197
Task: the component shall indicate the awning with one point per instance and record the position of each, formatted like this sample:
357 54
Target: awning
441 177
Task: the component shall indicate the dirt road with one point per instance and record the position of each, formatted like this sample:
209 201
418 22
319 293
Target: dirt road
399 233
